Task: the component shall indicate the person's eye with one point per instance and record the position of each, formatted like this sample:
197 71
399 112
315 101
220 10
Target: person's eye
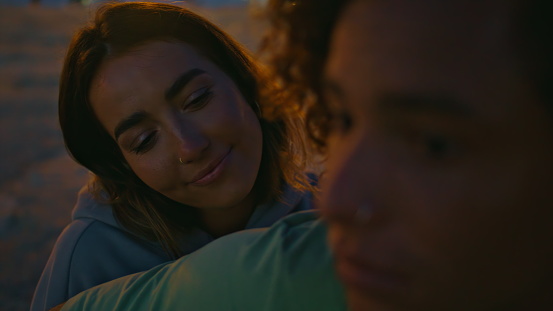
145 144
340 122
435 146
198 99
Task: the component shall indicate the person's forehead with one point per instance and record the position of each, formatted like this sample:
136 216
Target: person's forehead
430 31
449 46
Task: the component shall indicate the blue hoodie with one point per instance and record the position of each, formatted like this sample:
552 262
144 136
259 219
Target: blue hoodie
94 248
287 267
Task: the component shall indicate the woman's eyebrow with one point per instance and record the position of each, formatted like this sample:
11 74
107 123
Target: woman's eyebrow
170 93
423 103
181 82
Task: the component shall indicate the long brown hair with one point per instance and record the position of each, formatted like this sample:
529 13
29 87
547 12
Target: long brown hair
117 28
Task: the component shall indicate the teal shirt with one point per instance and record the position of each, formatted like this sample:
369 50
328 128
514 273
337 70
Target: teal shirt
95 248
285 267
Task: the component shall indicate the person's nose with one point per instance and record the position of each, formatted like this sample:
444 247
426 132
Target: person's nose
191 141
355 175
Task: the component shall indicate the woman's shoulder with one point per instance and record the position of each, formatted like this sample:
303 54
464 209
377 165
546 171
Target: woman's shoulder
53 286
89 206
81 244
69 238
89 252
104 252
101 236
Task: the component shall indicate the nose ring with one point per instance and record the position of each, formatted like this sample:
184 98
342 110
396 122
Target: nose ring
180 160
362 214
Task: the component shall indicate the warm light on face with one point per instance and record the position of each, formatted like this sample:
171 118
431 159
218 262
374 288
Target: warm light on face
181 123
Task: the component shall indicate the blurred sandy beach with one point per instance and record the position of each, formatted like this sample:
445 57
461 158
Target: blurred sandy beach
38 180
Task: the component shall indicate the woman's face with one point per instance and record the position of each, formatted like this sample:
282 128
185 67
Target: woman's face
441 142
181 123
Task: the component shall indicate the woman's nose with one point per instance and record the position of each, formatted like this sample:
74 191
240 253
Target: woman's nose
342 191
192 144
351 184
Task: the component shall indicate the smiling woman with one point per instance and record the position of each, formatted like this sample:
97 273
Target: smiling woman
189 133
165 110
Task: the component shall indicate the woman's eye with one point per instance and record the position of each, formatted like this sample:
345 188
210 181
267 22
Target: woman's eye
145 144
436 146
340 122
198 99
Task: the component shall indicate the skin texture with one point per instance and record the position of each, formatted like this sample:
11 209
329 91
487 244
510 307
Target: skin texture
447 149
203 122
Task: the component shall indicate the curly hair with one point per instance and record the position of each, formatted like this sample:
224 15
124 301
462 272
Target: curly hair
116 29
295 48
297 44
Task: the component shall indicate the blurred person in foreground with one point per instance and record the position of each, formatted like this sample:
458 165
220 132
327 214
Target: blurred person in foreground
437 120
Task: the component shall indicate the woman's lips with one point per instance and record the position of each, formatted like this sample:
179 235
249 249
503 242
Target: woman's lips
212 172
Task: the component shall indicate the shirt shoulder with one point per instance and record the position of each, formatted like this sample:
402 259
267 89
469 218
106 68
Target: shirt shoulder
87 253
285 267
52 287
